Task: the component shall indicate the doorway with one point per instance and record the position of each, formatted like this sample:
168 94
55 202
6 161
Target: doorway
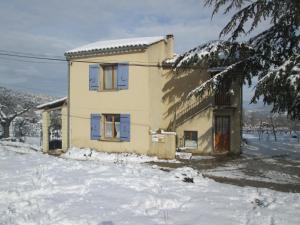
222 134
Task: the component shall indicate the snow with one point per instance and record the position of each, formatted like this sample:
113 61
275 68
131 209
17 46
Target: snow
19 147
110 44
172 60
40 189
278 72
60 100
90 154
263 161
207 49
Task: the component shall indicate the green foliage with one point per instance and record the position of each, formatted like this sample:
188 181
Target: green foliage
274 55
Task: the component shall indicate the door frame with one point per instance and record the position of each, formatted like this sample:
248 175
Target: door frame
214 133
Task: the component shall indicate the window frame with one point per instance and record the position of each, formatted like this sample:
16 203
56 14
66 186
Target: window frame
114 135
114 72
191 135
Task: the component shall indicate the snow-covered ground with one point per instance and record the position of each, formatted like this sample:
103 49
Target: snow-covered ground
42 189
275 164
285 145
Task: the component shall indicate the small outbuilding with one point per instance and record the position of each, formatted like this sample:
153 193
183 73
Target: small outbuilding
54 126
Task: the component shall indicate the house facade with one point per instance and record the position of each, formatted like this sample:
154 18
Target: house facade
121 91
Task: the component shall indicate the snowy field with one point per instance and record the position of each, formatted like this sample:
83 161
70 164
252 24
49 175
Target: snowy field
41 189
285 146
264 163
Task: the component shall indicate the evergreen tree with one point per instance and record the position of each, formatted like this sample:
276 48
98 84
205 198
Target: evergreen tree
273 56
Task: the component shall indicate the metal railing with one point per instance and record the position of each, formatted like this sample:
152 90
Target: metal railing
192 110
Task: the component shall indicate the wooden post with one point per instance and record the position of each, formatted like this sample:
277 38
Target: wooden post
45 127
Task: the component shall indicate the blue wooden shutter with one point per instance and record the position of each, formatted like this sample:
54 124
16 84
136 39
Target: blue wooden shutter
125 127
95 126
94 73
122 75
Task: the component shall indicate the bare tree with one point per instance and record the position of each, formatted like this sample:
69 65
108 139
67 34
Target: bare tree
260 130
21 127
273 126
294 127
11 106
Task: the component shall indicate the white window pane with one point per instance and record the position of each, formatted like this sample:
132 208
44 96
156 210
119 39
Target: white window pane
108 78
108 129
117 126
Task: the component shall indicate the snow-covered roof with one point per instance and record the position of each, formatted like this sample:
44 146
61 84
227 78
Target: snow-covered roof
111 45
52 104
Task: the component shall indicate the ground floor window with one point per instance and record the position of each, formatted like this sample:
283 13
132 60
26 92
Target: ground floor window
112 126
191 139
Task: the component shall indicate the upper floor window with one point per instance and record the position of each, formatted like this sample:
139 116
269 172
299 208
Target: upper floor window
110 77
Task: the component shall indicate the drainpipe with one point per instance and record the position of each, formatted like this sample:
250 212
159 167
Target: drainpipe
68 105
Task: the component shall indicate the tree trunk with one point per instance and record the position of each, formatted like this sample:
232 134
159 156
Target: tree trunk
5 126
273 129
260 130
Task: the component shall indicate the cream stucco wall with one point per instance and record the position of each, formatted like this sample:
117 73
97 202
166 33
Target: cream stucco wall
202 123
45 130
46 121
235 114
64 127
175 90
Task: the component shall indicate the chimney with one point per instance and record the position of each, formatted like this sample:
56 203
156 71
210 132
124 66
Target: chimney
170 45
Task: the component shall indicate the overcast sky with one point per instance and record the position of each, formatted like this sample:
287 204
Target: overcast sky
50 27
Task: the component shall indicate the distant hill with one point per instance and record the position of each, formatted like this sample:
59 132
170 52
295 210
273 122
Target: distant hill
35 98
258 107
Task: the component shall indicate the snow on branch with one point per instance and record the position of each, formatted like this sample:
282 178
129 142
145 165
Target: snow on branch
290 69
212 54
213 83
230 56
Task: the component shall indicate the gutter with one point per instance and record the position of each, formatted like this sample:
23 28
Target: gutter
68 105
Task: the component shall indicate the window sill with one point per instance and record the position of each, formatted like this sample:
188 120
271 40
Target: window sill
110 139
109 90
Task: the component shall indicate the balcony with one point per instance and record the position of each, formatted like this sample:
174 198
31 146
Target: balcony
222 99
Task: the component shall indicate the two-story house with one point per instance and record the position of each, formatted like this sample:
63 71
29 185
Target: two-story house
121 90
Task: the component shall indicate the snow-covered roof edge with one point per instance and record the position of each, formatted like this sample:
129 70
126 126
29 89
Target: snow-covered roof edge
56 103
114 46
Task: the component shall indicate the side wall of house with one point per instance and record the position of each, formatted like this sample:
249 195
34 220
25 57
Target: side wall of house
235 115
156 55
202 123
195 114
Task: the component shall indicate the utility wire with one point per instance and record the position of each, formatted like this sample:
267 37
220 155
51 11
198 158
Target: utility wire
27 61
38 57
25 53
89 118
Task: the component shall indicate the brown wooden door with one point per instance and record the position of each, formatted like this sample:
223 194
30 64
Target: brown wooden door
222 133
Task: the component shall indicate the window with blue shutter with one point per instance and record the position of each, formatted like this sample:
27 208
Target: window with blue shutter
95 126
122 73
125 127
94 74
